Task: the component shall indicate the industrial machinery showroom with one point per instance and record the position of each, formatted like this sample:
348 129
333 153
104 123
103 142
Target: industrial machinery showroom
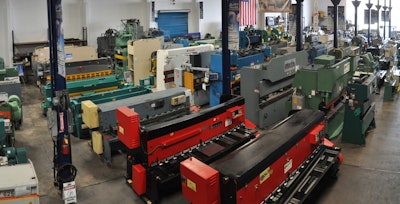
199 101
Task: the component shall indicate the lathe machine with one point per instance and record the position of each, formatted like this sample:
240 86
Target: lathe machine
283 165
155 150
267 86
153 108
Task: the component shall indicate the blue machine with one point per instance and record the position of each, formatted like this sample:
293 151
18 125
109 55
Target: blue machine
237 62
250 38
251 52
315 51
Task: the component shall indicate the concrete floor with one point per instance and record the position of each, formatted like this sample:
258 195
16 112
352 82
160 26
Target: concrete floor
369 174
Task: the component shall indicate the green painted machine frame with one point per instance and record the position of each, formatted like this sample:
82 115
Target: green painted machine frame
131 31
321 86
359 114
391 83
12 109
7 149
81 87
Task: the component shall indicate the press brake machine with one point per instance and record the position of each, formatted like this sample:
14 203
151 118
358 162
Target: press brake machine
155 150
267 86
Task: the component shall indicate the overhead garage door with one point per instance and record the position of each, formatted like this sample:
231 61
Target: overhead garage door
173 23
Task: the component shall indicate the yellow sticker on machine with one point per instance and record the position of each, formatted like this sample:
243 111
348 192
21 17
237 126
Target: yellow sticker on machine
121 130
190 184
265 174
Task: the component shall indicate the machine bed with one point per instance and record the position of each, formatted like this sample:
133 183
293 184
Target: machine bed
266 149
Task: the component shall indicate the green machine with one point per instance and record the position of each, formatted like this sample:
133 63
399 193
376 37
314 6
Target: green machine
103 97
391 83
11 108
9 155
6 133
359 108
7 71
81 87
368 63
321 86
131 31
13 155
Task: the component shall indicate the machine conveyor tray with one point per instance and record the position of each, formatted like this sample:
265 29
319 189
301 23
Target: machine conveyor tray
267 148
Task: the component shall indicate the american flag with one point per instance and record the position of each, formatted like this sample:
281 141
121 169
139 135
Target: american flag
247 12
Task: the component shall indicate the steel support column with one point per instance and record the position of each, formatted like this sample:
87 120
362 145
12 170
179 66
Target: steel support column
369 6
299 36
378 7
356 3
226 87
390 18
335 22
63 169
384 19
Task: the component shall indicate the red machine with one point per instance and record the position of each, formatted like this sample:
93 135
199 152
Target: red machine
281 166
156 150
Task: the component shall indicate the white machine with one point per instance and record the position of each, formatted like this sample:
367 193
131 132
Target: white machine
19 184
168 60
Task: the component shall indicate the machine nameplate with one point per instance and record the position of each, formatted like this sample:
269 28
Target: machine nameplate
290 66
265 174
287 166
346 68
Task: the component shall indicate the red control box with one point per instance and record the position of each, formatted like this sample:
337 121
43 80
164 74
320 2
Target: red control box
200 183
139 179
128 127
